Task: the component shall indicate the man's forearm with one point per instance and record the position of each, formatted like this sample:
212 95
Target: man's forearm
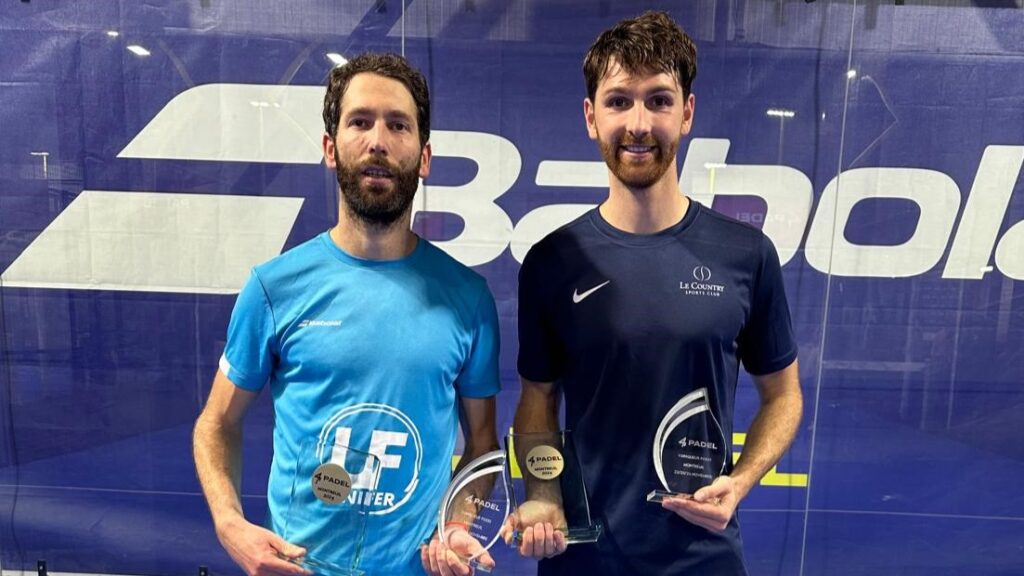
774 427
537 410
217 452
478 427
537 413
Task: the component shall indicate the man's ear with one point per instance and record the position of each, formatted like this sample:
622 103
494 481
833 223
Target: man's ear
425 155
684 128
588 116
329 149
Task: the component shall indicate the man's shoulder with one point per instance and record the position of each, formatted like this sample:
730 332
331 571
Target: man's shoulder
443 265
295 260
568 236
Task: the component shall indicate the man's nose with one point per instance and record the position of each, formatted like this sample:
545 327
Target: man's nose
378 142
638 124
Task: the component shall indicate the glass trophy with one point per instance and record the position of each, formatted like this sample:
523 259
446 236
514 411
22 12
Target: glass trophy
689 448
477 501
325 516
552 488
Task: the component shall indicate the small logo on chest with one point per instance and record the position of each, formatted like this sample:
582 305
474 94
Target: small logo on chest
578 296
319 323
702 284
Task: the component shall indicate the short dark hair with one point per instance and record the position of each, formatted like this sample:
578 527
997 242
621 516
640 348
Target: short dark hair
388 65
652 42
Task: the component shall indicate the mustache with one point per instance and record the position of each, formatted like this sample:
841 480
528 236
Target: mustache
378 163
645 141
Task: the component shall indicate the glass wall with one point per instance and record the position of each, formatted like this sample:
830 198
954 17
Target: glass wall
152 153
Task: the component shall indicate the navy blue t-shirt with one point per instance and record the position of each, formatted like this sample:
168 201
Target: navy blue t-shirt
626 325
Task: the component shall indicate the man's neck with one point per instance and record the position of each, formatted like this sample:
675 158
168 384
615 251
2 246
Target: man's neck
371 242
644 210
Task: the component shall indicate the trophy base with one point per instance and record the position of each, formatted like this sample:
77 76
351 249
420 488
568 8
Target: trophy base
478 567
658 496
324 568
579 535
586 535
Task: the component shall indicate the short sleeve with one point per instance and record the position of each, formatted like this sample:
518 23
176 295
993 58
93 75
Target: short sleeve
541 355
250 354
767 343
479 377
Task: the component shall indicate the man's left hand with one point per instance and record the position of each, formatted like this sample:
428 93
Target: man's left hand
710 507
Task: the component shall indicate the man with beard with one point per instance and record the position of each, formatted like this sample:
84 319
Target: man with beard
636 304
369 339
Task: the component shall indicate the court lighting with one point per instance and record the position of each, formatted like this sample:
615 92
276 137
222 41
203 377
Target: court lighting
780 113
338 59
138 50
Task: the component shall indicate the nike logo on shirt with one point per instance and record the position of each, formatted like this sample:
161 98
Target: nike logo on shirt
577 297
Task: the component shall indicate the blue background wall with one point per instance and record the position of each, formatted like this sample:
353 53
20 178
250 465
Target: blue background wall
910 314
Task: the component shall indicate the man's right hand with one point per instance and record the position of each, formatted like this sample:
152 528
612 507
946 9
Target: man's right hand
541 526
259 551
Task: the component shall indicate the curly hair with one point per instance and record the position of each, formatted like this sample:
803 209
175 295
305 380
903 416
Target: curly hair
388 65
651 42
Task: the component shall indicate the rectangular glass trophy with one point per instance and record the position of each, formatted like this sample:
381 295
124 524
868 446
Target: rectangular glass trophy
476 505
322 516
552 487
689 448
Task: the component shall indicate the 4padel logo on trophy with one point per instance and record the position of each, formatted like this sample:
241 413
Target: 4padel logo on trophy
481 503
545 462
389 435
702 285
685 442
331 483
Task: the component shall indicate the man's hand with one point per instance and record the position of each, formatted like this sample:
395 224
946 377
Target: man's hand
259 551
542 526
453 559
710 507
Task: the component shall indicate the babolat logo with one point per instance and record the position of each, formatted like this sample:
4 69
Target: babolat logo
685 442
318 323
480 502
701 285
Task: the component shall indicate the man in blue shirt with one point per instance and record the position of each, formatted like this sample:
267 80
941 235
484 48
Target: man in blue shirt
636 304
370 339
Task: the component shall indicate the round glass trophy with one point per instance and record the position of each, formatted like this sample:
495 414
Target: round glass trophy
476 505
689 449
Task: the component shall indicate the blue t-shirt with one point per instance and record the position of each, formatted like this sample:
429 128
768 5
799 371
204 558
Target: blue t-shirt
626 325
371 356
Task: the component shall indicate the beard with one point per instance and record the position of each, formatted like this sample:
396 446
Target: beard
375 204
638 174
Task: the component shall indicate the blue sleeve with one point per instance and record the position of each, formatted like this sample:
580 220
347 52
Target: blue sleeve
250 354
479 377
767 343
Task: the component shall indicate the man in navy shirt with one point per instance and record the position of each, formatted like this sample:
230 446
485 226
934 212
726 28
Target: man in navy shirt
644 299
